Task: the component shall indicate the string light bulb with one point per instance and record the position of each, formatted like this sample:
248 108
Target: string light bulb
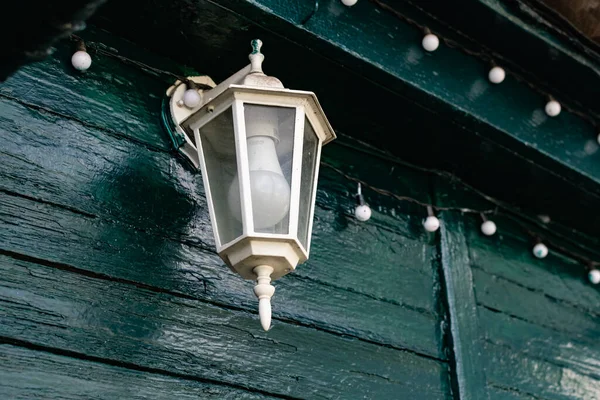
594 276
349 3
81 60
431 223
496 75
488 228
362 212
430 41
540 250
191 97
552 108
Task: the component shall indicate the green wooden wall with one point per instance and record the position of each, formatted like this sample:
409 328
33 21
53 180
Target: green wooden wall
110 286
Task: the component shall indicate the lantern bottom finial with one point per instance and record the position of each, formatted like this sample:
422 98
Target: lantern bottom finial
264 291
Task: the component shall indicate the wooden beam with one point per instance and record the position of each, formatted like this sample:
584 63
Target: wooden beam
468 373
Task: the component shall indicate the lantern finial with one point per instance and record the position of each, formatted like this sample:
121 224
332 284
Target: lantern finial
264 291
256 57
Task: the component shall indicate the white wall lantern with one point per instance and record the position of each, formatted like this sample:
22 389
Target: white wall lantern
258 145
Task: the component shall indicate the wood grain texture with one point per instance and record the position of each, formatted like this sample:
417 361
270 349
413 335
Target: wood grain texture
116 321
462 309
128 208
538 319
30 374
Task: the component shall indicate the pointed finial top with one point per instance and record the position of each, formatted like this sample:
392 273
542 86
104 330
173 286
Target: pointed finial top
256 45
256 57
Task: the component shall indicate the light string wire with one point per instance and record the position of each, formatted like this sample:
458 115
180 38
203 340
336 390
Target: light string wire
100 49
488 55
589 263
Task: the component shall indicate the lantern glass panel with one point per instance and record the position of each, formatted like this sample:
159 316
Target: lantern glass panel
218 149
310 148
270 144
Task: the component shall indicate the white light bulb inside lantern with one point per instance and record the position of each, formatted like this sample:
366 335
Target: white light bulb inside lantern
540 250
431 224
191 98
362 212
349 3
430 42
81 60
553 108
496 75
488 228
594 276
269 190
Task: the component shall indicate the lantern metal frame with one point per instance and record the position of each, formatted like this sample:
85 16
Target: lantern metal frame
253 255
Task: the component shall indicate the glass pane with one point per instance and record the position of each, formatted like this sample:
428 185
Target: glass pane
309 164
270 140
218 149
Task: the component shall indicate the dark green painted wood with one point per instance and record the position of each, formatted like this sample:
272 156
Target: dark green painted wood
127 216
33 374
114 250
462 310
117 321
577 352
512 372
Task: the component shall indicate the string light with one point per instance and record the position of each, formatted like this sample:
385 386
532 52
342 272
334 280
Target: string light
488 228
484 54
552 108
362 212
349 3
496 75
191 97
431 223
430 41
81 60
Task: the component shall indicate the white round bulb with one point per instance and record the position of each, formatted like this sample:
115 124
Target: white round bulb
81 60
496 75
430 42
540 250
594 276
362 212
599 138
488 228
349 3
552 108
431 224
191 98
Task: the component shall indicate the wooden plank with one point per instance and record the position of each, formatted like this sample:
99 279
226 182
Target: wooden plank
579 353
31 374
153 200
462 310
126 104
508 256
112 249
116 321
533 306
518 373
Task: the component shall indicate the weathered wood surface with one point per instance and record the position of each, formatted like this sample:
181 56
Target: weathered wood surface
154 205
32 374
539 319
121 322
462 309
